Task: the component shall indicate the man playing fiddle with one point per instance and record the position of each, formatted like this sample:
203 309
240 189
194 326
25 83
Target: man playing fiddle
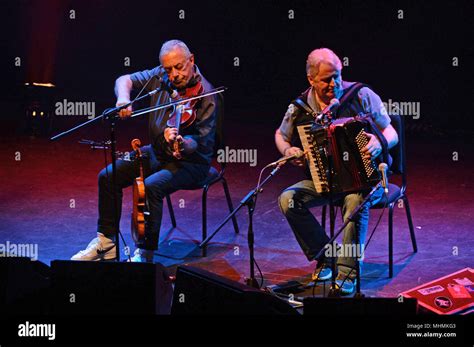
165 172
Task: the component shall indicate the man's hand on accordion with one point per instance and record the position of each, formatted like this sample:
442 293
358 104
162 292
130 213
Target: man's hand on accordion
298 151
373 148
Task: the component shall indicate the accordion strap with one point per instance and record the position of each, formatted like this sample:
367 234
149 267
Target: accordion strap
303 105
349 94
345 99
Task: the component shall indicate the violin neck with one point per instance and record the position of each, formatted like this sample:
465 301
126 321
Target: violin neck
140 161
178 123
141 170
178 118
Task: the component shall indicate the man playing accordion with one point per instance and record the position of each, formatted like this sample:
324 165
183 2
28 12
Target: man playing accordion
323 70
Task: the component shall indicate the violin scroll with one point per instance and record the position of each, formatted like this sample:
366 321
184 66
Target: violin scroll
136 143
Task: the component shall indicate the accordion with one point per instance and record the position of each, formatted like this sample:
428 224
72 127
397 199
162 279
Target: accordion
345 138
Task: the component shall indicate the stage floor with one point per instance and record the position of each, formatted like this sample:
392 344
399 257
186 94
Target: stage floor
38 192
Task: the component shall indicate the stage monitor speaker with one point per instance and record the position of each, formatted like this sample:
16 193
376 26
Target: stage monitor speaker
89 287
360 306
198 291
24 286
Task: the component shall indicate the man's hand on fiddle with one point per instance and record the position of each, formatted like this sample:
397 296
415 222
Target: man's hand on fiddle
126 112
292 151
171 135
373 148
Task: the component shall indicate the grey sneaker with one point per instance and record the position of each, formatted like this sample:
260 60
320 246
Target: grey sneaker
345 284
322 273
142 256
100 248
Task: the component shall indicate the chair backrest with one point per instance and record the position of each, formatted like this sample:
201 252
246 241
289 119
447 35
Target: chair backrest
398 151
219 140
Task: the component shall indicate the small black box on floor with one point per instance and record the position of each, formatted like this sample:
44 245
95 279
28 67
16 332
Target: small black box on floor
24 286
360 306
199 291
88 287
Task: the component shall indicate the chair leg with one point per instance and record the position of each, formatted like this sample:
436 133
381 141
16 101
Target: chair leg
229 204
204 219
410 224
390 240
171 211
323 217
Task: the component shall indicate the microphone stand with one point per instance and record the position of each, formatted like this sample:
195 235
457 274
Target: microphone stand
349 220
110 114
250 201
325 119
332 291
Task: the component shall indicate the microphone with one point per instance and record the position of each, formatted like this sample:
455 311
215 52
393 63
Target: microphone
166 86
333 104
383 170
288 157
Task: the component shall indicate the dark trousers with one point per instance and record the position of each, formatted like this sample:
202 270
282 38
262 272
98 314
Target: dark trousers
161 178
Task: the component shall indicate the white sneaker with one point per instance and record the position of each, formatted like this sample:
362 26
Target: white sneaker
142 256
100 248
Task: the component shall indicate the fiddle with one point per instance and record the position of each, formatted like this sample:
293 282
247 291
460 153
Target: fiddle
183 115
139 211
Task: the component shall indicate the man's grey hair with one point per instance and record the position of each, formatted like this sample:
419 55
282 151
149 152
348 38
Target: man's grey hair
172 44
318 56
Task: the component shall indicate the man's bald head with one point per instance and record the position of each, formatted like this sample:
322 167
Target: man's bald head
323 70
171 45
321 55
178 62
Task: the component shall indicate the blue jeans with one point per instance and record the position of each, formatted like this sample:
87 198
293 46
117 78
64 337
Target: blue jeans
295 202
161 178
